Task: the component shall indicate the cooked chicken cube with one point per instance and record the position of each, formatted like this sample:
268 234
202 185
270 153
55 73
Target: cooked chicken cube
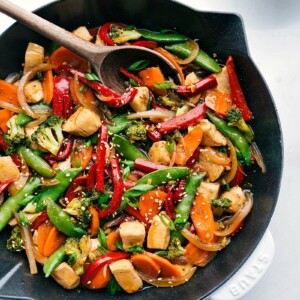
34 56
126 276
159 153
209 190
83 122
132 234
140 100
190 79
33 91
237 196
8 169
66 276
223 81
158 234
83 33
211 136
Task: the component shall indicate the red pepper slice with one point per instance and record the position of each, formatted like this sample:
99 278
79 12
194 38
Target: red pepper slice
137 215
100 160
39 220
169 205
193 159
60 95
71 191
179 191
118 189
90 183
154 135
3 145
128 184
99 262
104 34
123 100
16 159
237 95
146 44
190 118
4 185
239 176
132 76
64 151
147 166
198 87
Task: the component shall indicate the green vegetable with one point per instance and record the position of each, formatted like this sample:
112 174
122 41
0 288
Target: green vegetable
126 149
175 249
119 124
54 192
202 60
15 243
49 134
92 77
121 35
223 203
234 135
63 221
113 287
13 203
136 132
162 37
23 119
139 65
54 261
235 118
184 206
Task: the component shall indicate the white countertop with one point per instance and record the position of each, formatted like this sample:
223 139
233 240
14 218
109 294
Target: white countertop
273 32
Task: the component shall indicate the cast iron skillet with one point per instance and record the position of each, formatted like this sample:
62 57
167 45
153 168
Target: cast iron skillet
219 33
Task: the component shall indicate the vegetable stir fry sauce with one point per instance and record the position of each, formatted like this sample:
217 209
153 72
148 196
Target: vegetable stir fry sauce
115 191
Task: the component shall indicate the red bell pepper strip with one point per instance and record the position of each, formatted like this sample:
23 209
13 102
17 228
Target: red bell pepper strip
90 182
100 160
179 191
123 100
71 190
132 76
104 34
118 189
16 159
154 135
3 145
198 87
39 220
192 160
169 205
5 184
146 44
60 95
147 166
237 95
98 263
239 176
137 215
64 151
190 118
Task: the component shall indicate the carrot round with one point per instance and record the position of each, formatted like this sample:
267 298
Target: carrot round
8 93
48 86
101 279
203 219
146 265
5 115
43 233
54 241
151 203
112 238
93 229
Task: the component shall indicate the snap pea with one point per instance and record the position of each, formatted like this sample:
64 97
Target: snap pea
119 123
14 203
162 37
63 221
23 119
234 135
54 261
202 60
54 192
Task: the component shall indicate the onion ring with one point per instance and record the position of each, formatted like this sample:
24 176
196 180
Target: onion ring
215 157
193 45
258 157
11 107
234 164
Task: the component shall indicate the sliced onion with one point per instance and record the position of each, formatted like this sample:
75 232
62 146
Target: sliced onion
153 113
258 157
13 77
234 164
193 45
11 107
115 221
215 157
21 96
168 282
37 122
204 246
234 222
24 175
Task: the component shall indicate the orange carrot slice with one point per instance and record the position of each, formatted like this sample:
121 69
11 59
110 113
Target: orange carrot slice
48 86
8 93
101 279
146 265
217 101
43 233
5 115
54 241
112 238
93 229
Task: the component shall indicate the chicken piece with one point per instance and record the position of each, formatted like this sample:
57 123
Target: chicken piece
237 196
33 91
126 276
190 79
209 190
83 122
8 169
140 100
223 81
34 56
66 276
83 33
213 171
158 234
159 153
211 136
132 234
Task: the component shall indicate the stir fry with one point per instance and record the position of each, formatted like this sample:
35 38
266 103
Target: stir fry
110 190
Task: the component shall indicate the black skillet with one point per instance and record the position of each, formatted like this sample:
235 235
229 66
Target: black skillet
217 33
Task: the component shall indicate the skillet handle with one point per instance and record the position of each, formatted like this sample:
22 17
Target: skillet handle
250 273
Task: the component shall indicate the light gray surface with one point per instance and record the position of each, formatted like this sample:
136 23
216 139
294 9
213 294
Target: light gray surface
273 31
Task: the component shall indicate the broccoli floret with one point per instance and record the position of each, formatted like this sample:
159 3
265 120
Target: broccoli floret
175 249
15 135
219 205
121 35
136 132
235 118
49 134
15 243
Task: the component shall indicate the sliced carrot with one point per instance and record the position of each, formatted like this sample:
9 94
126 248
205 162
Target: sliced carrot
54 241
167 269
43 233
101 279
150 77
112 238
194 255
87 92
203 219
93 229
146 265
186 149
8 93
48 86
172 60
5 115
63 55
217 101
151 203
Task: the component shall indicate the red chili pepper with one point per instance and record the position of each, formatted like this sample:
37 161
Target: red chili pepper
60 95
118 189
39 220
137 215
198 87
239 176
193 159
154 135
147 166
4 185
101 153
71 191
146 44
237 95
3 145
132 76
128 184
190 118
169 205
16 159
104 34
90 183
98 263
123 100
179 191
64 151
